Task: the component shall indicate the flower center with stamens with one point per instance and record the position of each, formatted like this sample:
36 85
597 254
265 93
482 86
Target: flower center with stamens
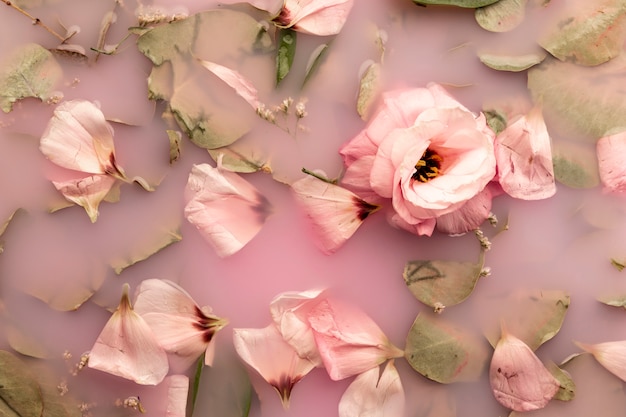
428 167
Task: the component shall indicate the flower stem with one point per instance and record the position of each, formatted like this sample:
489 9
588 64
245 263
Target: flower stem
35 20
319 177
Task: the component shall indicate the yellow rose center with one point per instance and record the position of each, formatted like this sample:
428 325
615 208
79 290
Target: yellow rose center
428 167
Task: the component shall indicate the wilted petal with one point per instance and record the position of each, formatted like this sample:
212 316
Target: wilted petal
611 152
348 340
316 17
374 395
236 81
79 137
611 355
87 192
275 360
182 328
524 158
127 347
335 212
289 311
518 378
226 209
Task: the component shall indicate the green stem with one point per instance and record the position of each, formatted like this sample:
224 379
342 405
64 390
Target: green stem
319 177
196 384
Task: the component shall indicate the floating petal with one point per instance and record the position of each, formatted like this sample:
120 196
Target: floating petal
611 355
87 192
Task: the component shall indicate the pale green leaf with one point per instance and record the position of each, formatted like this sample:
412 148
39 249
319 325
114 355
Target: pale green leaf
567 389
469 4
614 301
315 60
239 159
31 71
496 120
439 283
174 138
160 242
20 394
285 53
445 352
369 88
588 33
511 63
574 165
502 16
579 100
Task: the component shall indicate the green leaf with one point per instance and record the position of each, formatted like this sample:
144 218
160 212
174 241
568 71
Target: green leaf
574 165
496 120
532 316
20 395
441 283
567 390
503 16
614 301
285 53
369 88
511 63
444 352
239 159
580 101
315 60
588 33
469 4
31 71
160 242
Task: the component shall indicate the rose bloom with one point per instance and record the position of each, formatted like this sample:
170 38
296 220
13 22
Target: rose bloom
429 155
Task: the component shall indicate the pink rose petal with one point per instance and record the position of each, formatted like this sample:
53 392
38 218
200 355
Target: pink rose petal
315 17
87 192
611 355
242 86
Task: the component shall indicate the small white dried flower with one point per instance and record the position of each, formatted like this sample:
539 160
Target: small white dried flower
439 307
301 110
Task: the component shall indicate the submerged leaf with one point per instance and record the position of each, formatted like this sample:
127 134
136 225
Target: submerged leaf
174 137
444 352
31 71
240 160
315 60
285 53
470 4
513 63
614 301
20 394
442 283
162 241
502 16
5 225
588 33
567 388
574 165
369 88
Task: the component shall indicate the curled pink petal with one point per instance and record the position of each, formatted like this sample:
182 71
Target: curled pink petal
315 17
518 378
348 340
611 152
611 355
335 213
78 137
468 217
87 192
374 395
236 81
275 360
127 347
524 158
182 328
226 209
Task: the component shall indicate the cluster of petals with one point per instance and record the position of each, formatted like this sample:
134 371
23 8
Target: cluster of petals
381 161
611 152
518 379
334 212
310 329
165 331
79 138
226 209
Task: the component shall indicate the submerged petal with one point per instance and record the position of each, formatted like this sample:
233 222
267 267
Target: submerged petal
87 192
374 395
182 328
335 213
127 347
611 152
79 137
348 340
611 355
226 209
518 378
275 360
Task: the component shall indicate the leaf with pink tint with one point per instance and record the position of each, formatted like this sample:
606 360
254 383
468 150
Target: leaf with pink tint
226 209
503 16
444 352
158 241
348 340
78 137
275 360
87 192
289 311
315 17
127 347
374 395
239 159
518 379
611 355
334 212
524 158
236 81
614 301
575 165
567 387
181 327
611 151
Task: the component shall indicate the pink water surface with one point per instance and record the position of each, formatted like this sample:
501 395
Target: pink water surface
557 244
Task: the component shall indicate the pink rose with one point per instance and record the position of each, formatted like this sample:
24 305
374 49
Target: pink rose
427 153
